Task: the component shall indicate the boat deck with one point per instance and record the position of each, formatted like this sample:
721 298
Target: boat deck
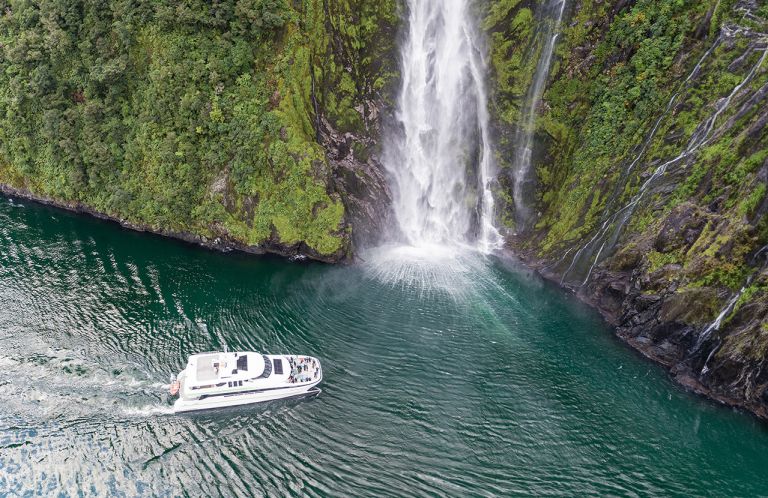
205 367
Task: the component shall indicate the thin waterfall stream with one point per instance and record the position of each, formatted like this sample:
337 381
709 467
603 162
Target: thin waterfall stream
447 370
522 181
610 230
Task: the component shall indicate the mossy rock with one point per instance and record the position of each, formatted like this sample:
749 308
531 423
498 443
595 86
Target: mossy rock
748 336
695 306
680 229
627 257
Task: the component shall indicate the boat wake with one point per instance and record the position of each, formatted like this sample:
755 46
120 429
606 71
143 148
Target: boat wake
60 386
148 410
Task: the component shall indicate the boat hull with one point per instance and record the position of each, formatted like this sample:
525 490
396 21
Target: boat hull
247 398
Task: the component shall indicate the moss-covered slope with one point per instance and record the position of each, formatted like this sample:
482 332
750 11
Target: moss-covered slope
651 168
191 117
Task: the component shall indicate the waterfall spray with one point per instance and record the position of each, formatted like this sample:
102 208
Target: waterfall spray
441 165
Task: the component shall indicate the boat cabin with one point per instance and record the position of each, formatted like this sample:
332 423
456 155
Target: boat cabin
226 369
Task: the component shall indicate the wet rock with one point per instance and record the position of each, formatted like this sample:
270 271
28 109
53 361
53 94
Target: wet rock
689 306
644 301
627 257
680 229
690 382
358 176
609 289
702 29
643 318
689 243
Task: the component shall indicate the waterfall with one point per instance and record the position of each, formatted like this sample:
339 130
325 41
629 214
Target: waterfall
524 136
714 326
441 161
725 312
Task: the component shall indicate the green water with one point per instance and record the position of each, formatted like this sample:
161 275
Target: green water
468 377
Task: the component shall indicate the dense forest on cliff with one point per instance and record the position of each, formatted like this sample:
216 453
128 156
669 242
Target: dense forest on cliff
197 116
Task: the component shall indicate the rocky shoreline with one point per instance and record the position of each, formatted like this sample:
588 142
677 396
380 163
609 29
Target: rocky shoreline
649 197
638 320
221 244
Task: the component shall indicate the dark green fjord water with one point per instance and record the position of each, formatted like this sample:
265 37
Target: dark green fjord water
468 377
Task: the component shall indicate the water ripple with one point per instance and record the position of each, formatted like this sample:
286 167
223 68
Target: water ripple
445 374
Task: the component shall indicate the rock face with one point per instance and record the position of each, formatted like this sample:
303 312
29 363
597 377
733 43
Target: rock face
239 126
651 160
359 177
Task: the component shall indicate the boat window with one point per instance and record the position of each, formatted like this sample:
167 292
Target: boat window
278 367
242 363
267 368
203 387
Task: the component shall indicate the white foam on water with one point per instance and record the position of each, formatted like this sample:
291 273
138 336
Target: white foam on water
147 410
440 164
427 268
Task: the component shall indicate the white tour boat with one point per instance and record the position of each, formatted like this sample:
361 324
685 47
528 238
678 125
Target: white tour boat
217 380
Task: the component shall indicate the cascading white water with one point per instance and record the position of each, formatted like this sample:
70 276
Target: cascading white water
524 138
715 326
612 225
441 165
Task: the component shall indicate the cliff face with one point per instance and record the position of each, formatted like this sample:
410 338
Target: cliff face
647 190
201 119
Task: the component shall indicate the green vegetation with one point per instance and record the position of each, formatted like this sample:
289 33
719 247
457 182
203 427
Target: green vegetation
657 260
358 59
691 238
194 116
619 95
607 90
513 55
